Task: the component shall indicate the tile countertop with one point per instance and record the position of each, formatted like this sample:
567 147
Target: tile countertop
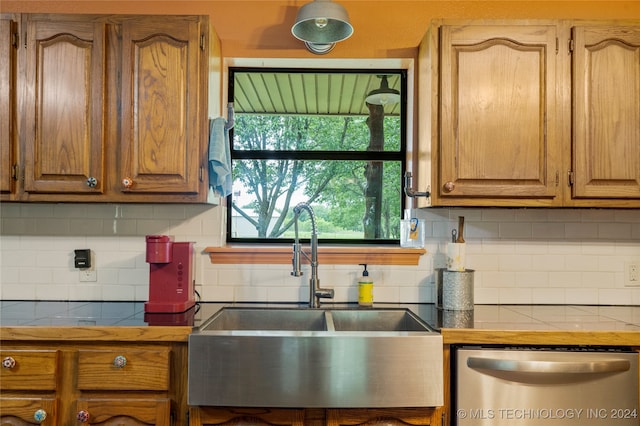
525 324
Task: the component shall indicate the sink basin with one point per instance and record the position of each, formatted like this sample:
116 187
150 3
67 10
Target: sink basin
267 319
315 358
377 320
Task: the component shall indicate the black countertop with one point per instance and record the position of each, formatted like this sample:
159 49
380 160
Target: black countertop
498 317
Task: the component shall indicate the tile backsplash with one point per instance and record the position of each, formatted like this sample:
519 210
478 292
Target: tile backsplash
540 256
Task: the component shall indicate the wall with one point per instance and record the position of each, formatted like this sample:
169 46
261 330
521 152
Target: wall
543 256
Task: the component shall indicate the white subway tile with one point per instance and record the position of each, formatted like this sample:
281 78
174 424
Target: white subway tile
565 279
582 296
548 231
614 231
578 230
519 230
516 262
614 296
551 296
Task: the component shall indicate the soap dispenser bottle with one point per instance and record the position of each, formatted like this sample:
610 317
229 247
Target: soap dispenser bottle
365 288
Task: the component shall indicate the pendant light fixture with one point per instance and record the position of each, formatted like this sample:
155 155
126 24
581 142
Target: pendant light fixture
321 24
384 95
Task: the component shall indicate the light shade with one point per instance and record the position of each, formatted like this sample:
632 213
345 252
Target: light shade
384 95
320 24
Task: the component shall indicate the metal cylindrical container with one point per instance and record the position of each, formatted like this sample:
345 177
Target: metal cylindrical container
457 290
457 319
439 277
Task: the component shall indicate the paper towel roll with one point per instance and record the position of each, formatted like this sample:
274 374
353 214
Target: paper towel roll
456 256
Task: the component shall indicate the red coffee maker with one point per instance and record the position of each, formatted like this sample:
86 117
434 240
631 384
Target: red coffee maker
171 282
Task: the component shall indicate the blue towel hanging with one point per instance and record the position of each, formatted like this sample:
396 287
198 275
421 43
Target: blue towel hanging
219 157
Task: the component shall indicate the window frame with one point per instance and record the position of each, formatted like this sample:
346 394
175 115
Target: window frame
404 68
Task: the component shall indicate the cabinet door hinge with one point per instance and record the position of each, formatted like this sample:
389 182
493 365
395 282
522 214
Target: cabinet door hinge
557 45
572 45
14 172
202 42
201 174
570 175
557 178
15 40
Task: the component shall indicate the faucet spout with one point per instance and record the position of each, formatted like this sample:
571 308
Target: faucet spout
315 291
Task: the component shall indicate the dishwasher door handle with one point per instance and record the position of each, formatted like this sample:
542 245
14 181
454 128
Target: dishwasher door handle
550 367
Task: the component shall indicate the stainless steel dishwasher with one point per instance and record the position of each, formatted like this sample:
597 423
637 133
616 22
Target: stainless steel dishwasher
544 386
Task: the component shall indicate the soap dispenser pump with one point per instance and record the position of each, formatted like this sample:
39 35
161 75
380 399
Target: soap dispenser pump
365 288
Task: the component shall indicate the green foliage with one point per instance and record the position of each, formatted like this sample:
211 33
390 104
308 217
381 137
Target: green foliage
335 188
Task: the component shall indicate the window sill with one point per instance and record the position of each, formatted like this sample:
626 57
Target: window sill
328 255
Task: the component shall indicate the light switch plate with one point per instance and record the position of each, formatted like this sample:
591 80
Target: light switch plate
632 273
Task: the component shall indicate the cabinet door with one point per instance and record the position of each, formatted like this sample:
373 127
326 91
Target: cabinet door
65 105
387 416
123 411
8 46
606 114
28 411
209 416
498 114
161 92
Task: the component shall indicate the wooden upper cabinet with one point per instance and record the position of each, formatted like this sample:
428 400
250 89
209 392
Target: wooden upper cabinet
606 112
8 68
64 105
498 115
161 102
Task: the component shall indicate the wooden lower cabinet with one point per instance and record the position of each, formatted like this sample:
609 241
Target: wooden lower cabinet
92 383
209 416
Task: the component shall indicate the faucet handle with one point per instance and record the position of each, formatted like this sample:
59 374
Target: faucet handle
325 293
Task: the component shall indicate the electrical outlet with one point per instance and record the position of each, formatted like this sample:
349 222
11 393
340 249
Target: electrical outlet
632 273
88 275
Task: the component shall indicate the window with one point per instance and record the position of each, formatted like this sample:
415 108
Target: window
309 136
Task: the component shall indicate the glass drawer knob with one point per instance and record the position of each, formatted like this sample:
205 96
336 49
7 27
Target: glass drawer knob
83 416
92 182
39 415
120 361
127 182
8 362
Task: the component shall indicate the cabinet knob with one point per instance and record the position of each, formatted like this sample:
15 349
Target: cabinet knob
120 361
8 362
40 415
83 416
449 186
127 182
92 182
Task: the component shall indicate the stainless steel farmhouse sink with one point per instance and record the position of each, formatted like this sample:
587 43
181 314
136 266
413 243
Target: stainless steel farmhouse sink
324 358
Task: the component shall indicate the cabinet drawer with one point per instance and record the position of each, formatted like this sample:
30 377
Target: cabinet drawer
123 370
28 369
